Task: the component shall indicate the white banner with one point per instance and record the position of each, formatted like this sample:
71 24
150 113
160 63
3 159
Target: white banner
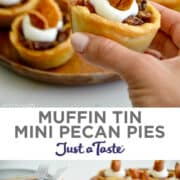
89 134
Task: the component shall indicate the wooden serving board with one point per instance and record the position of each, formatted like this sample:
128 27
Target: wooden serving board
75 72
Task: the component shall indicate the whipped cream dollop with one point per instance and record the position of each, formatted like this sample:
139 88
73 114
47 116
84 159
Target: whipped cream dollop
39 35
9 2
159 174
111 173
105 9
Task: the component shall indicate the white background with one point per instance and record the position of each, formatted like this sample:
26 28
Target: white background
21 92
42 149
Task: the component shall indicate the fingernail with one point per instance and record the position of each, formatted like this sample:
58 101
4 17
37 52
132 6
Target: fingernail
80 42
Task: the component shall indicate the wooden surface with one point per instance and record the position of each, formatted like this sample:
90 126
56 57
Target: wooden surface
75 72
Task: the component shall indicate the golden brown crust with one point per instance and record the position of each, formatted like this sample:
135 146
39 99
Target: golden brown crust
135 174
7 15
45 59
101 176
134 37
174 4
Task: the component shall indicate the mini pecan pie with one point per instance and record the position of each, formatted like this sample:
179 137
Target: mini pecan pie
132 23
173 4
42 37
9 11
159 172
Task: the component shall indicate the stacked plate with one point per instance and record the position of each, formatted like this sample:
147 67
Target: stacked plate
15 173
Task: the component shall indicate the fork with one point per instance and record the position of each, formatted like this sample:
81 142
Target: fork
58 173
42 172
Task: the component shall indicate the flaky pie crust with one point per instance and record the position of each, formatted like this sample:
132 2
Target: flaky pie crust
134 37
7 15
41 59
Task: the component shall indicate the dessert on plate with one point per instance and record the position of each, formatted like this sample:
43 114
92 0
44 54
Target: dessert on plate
9 9
173 4
158 172
42 37
132 23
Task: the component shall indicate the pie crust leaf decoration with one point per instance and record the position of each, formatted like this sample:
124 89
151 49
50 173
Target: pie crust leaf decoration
121 4
38 20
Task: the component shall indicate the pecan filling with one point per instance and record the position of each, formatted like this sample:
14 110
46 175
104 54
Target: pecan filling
87 4
144 16
14 6
62 36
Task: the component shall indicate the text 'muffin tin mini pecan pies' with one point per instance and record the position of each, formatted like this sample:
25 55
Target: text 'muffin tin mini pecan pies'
132 23
9 9
42 37
158 172
173 4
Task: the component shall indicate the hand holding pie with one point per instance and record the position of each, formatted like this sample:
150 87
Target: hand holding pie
132 23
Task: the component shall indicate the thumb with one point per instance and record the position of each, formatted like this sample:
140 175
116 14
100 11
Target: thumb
109 54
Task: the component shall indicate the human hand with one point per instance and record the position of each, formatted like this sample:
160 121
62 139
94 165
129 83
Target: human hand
151 82
167 40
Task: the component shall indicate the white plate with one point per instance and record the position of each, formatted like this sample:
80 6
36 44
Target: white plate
12 173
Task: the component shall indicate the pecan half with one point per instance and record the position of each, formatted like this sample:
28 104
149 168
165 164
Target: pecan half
121 4
177 170
135 173
116 165
159 165
144 175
